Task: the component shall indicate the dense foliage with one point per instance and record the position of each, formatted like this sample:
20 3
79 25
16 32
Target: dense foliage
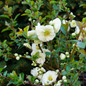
23 42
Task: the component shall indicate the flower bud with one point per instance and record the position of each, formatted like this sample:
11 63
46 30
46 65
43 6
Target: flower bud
67 53
64 78
73 34
62 56
17 58
57 71
30 19
37 81
16 54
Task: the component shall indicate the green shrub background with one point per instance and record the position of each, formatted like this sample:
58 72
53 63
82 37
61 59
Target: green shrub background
10 45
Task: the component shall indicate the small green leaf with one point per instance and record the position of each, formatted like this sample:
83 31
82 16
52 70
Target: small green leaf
35 56
64 73
48 53
84 20
6 29
68 68
17 16
26 29
53 2
4 16
31 78
81 44
1 69
63 30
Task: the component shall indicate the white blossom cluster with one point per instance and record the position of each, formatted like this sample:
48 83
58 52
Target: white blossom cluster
17 56
75 24
47 77
46 33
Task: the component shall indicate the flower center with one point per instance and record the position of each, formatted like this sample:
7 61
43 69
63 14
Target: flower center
46 33
50 78
37 47
74 23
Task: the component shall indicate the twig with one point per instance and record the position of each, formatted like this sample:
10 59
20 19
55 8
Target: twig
66 10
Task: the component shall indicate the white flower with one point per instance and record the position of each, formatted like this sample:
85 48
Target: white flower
35 46
77 30
41 58
62 56
45 33
73 23
64 78
31 33
56 23
27 45
34 52
34 71
49 77
42 69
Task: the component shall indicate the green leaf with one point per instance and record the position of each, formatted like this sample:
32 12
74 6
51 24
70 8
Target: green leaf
48 53
55 7
64 73
53 2
6 29
13 75
26 29
16 16
35 56
68 68
24 2
84 20
29 57
63 30
11 82
4 16
31 78
1 69
27 11
21 76
83 5
81 44
5 73
84 13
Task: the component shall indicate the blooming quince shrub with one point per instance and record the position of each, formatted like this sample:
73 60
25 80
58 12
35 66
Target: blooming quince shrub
56 47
